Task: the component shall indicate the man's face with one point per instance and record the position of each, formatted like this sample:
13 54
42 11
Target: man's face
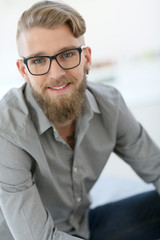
58 86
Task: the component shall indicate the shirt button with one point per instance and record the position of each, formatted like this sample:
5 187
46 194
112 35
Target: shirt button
78 199
75 170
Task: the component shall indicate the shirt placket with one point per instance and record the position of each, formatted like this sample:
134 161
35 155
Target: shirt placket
77 178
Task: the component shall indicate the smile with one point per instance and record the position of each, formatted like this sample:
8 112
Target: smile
59 87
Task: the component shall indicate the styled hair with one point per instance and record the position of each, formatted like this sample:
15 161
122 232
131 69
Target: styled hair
49 14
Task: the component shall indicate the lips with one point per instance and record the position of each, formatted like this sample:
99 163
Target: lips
60 87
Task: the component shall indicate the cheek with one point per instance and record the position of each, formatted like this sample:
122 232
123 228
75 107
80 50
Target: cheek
78 73
36 82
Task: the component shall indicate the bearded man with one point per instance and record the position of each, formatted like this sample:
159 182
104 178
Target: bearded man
56 134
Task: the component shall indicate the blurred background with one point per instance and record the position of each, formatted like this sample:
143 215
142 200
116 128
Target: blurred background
125 39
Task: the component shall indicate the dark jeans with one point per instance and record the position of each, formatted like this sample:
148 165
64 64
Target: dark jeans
134 218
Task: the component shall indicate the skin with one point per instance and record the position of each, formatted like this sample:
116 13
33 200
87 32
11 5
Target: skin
43 41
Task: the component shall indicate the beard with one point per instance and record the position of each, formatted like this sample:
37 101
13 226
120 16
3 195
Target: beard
64 107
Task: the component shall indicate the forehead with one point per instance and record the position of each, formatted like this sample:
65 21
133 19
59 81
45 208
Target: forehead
48 41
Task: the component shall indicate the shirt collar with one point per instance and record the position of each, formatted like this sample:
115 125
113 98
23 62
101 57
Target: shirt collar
92 102
40 120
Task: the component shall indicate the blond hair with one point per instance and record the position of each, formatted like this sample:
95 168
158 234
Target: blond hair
49 14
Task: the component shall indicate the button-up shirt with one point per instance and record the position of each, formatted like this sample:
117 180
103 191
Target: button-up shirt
44 183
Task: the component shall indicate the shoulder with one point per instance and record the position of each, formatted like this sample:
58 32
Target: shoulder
14 111
105 94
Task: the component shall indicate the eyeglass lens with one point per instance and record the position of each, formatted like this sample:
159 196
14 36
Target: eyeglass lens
40 65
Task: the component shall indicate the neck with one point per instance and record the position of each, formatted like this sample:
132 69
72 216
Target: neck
67 131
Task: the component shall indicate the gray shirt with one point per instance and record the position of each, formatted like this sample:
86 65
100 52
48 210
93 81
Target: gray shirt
44 184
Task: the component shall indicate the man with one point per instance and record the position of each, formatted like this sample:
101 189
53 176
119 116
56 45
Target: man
56 134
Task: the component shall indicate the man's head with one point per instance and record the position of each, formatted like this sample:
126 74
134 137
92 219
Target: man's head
49 14
50 39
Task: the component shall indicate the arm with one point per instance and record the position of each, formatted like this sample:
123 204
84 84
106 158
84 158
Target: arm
136 147
19 198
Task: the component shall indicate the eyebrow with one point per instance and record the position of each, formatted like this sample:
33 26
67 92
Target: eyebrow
36 54
67 48
44 54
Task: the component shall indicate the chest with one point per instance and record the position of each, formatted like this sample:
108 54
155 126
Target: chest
92 148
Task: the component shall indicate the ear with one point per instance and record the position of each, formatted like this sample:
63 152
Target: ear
22 69
87 55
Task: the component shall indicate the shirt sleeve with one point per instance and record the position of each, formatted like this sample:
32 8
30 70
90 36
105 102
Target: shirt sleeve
134 145
20 201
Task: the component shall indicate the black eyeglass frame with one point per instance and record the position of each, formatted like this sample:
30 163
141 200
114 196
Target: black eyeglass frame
79 49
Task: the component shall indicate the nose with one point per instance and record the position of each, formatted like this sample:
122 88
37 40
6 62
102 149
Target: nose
56 71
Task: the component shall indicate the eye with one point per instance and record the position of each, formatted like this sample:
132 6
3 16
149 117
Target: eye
38 60
68 55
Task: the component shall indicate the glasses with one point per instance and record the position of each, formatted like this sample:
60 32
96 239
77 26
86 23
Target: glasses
67 59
